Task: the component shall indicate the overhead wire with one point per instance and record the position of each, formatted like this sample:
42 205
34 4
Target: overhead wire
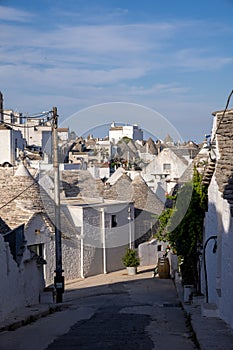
25 126
18 195
27 116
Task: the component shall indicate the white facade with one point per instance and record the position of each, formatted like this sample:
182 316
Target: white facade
105 232
12 117
21 285
133 132
99 171
39 135
38 234
100 232
162 173
219 223
150 252
104 148
36 131
11 143
63 134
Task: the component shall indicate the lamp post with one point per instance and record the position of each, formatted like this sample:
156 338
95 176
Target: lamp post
58 279
130 228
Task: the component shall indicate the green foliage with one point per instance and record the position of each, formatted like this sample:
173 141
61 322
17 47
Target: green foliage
125 139
163 219
182 226
130 258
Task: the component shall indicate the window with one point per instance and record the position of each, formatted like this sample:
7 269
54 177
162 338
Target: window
114 221
37 248
159 248
166 167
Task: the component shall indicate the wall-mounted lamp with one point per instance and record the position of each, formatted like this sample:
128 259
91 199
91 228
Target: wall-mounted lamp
205 270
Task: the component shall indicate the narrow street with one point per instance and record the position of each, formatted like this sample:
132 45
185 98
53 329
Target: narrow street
122 312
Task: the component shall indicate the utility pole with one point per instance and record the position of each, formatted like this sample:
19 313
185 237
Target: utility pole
58 279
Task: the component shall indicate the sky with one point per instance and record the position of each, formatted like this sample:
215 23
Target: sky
171 57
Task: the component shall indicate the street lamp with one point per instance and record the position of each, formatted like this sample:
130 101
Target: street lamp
205 269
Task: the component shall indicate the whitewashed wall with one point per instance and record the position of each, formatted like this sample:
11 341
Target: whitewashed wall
167 156
149 252
116 238
88 221
218 221
20 285
70 250
10 140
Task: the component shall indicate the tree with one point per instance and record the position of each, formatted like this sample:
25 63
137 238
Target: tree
183 229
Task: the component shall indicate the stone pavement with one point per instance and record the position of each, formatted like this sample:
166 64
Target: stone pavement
211 333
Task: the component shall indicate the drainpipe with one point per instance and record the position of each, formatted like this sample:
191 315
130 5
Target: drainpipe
104 239
205 269
82 255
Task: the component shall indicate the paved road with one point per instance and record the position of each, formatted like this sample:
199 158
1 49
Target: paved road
122 313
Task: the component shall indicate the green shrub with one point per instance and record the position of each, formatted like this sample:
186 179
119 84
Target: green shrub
130 259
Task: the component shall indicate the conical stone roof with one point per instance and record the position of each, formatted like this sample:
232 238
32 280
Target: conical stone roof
144 197
22 171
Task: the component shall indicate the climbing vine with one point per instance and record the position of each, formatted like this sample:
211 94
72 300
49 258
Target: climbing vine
182 228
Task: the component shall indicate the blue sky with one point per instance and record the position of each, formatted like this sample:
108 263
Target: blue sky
174 57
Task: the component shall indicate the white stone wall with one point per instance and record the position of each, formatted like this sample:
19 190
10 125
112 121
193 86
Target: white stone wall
71 259
11 141
20 285
149 252
115 135
218 221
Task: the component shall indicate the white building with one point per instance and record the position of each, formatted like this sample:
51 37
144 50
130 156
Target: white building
217 283
99 170
104 232
95 232
11 143
118 132
163 172
104 149
63 134
12 117
36 131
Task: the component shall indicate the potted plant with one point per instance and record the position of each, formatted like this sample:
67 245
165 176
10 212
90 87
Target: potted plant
131 261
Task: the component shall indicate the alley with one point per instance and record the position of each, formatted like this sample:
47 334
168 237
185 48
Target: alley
113 311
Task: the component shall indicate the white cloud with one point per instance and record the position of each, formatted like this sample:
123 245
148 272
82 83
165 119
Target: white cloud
75 66
199 59
12 14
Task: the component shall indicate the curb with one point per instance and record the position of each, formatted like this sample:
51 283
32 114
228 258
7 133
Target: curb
33 315
188 314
